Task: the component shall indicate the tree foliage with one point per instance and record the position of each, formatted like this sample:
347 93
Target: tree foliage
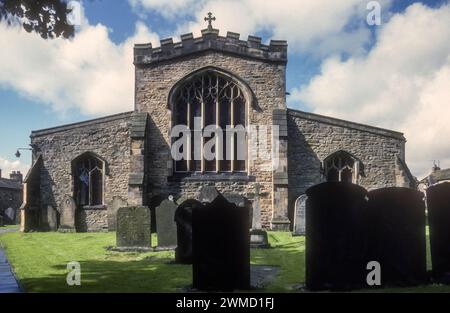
45 17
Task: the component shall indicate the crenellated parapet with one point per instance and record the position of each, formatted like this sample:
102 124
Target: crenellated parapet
276 51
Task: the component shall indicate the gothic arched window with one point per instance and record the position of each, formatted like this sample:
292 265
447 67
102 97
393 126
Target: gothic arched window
212 106
88 174
341 167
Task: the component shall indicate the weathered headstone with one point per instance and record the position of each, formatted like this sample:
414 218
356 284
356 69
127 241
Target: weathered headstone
299 216
166 226
49 219
336 222
67 217
221 250
133 228
438 203
258 236
207 194
10 216
116 204
183 219
396 232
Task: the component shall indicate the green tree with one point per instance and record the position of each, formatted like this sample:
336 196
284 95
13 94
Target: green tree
45 17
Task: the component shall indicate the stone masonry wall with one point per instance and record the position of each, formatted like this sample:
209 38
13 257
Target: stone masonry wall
153 84
108 138
312 138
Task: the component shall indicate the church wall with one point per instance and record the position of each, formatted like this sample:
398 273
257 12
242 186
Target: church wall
108 138
153 84
312 140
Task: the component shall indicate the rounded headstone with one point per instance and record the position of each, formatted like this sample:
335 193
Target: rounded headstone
336 240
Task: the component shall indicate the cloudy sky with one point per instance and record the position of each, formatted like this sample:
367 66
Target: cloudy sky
395 75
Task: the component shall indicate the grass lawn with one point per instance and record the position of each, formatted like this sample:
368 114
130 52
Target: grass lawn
9 226
39 260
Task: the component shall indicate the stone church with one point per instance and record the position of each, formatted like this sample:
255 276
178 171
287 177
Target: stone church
216 80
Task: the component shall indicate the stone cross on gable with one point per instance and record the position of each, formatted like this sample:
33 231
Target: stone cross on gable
209 19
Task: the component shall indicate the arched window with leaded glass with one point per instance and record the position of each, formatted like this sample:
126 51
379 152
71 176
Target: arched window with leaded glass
341 166
88 175
210 98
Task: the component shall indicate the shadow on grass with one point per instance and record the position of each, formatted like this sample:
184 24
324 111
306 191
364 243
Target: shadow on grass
116 276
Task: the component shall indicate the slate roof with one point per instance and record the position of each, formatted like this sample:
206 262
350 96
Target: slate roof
9 184
437 176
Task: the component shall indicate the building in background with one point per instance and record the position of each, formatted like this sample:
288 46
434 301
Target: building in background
10 197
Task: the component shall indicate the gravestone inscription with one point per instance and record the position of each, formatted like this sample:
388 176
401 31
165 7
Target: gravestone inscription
133 228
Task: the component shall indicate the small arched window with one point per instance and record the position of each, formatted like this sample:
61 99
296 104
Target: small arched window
341 166
214 100
88 174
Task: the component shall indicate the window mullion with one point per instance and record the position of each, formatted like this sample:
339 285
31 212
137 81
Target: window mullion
232 130
218 149
189 144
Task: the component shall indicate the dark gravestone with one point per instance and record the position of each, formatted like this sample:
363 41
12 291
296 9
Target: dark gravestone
133 228
183 219
397 235
438 202
299 216
335 236
166 226
221 248
67 217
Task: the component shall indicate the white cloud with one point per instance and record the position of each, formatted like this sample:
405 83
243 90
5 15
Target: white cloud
403 84
317 26
89 72
8 166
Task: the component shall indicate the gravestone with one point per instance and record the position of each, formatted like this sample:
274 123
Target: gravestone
49 219
258 236
221 250
116 204
207 194
438 203
336 222
299 216
1 220
397 235
183 219
67 217
9 216
133 228
166 226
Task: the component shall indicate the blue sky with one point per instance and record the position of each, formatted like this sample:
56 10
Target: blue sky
22 111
